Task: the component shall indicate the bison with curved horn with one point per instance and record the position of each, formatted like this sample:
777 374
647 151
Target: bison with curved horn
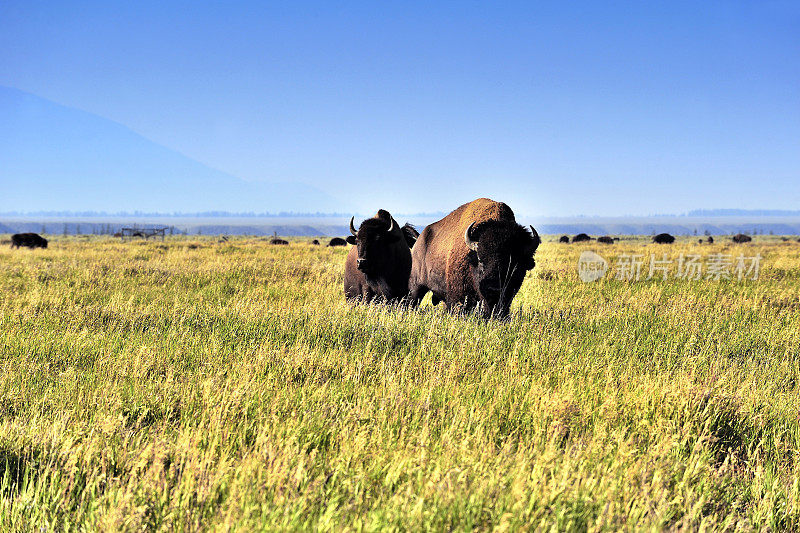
380 261
474 258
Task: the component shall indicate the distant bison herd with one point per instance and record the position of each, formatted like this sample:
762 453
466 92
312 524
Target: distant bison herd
474 259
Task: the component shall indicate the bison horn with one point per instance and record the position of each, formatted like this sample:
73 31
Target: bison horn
472 245
535 234
352 228
391 226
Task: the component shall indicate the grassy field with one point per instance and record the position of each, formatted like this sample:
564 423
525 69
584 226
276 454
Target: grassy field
192 385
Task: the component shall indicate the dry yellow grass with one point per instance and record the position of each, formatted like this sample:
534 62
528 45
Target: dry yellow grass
192 385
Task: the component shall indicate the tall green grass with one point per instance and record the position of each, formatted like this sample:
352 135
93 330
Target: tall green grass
193 385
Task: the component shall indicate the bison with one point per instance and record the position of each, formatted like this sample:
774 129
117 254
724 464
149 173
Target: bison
605 239
564 239
337 241
710 240
474 258
276 240
663 238
740 238
31 240
380 261
581 237
315 242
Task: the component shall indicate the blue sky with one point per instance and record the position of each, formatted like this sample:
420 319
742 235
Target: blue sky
556 108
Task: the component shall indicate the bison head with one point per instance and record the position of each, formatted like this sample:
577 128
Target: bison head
372 239
500 253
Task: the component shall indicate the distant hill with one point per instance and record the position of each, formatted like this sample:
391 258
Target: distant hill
55 158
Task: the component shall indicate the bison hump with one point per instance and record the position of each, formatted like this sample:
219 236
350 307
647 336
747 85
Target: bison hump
484 210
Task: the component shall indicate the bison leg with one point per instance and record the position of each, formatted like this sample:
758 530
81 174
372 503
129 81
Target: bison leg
367 294
416 295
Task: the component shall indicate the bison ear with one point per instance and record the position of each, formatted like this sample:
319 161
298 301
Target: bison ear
351 239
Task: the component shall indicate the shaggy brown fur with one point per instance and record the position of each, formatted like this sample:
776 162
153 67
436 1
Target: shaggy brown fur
380 261
605 239
463 278
740 238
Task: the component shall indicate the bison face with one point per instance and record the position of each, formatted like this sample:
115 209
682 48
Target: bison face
499 257
372 239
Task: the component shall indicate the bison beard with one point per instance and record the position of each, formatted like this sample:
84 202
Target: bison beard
474 258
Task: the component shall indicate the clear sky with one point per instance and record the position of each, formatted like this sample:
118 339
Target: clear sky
554 107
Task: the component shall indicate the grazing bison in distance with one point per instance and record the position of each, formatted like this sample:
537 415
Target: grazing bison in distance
564 239
663 238
337 241
710 240
605 239
740 238
315 242
475 257
31 240
276 240
380 261
581 237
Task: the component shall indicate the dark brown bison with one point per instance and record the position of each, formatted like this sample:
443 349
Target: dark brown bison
710 240
605 239
276 240
31 240
581 237
663 238
740 238
564 239
475 257
337 241
379 262
315 242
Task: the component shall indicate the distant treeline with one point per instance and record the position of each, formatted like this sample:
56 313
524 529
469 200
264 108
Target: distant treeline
743 213
200 214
